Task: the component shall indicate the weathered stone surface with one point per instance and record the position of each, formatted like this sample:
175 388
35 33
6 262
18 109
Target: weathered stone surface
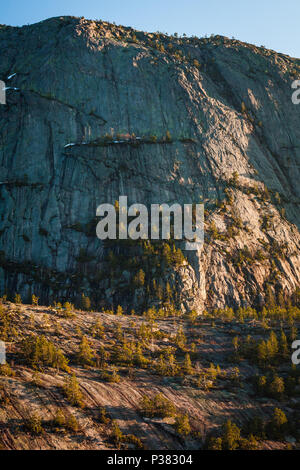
231 111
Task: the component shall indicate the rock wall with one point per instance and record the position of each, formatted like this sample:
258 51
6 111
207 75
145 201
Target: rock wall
199 120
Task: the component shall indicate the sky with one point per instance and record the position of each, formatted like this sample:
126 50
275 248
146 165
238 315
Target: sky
274 24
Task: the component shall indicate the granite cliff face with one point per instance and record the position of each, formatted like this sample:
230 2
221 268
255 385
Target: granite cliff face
194 119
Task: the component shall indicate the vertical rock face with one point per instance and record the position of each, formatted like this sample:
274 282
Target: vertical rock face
161 120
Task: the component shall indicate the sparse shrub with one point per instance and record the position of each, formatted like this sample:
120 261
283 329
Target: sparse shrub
139 279
167 366
72 423
180 339
97 330
182 425
248 444
36 379
157 406
38 351
18 299
168 136
119 311
34 300
132 439
34 424
113 377
59 419
276 387
214 443
68 310
235 375
103 418
187 368
193 316
6 370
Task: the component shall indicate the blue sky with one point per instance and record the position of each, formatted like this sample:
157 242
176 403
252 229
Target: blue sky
272 23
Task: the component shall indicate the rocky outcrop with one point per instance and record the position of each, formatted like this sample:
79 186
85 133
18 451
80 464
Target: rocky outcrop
215 123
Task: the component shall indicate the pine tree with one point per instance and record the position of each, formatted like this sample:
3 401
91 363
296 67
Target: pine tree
60 362
187 367
38 351
72 423
161 367
278 425
115 377
36 379
193 316
168 136
235 343
178 257
116 434
262 352
284 349
276 387
103 357
236 375
85 354
213 231
139 278
272 346
168 291
261 384
72 391
231 436
212 371
270 298
119 332
103 418
139 358
293 333
119 310
59 419
85 303
157 406
35 300
180 339
68 309
172 367
248 444
18 299
97 330
166 253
